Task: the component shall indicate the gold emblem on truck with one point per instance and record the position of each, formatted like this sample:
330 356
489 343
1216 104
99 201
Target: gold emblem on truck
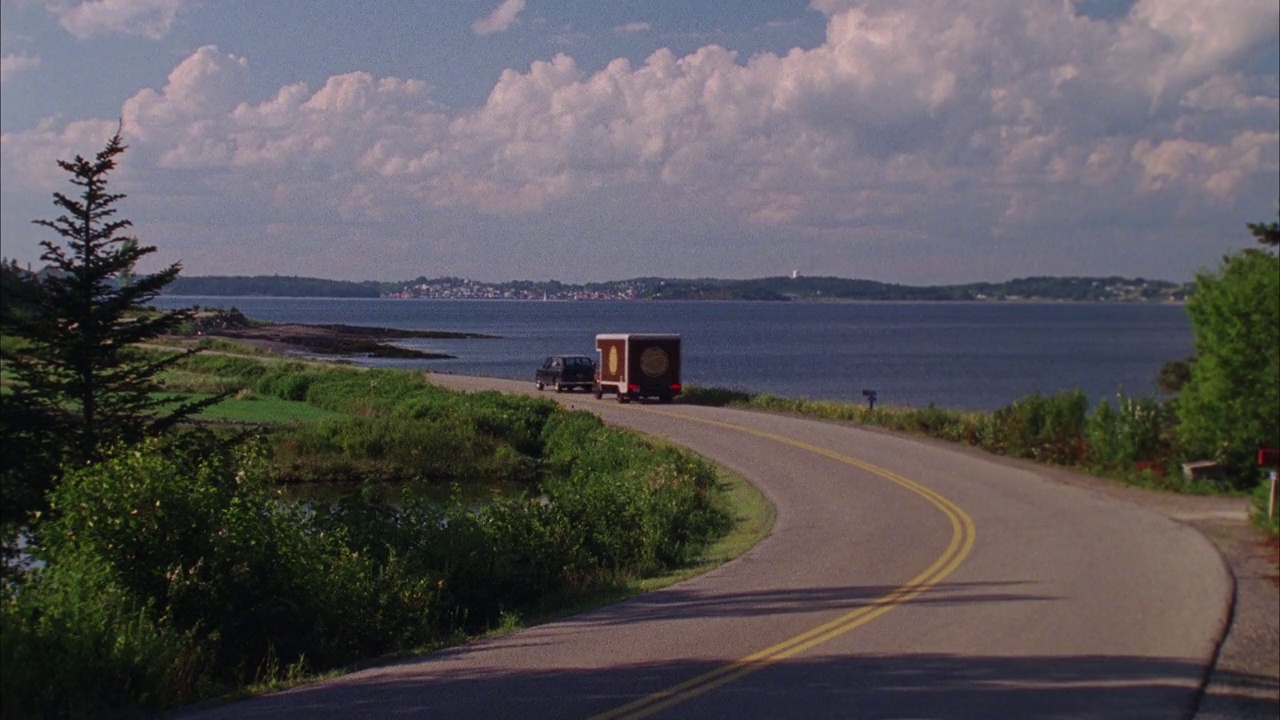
654 362
613 360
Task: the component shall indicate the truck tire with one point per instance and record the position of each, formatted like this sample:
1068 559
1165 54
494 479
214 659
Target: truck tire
538 384
559 388
599 392
622 397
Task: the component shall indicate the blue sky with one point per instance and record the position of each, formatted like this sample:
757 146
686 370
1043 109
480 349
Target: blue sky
578 140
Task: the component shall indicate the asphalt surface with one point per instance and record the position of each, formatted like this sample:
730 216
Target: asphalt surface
902 579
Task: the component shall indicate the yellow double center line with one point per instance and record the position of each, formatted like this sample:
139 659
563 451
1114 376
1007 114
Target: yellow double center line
962 539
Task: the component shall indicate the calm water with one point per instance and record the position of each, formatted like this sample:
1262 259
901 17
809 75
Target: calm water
976 356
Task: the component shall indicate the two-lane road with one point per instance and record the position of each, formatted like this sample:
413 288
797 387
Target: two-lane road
901 579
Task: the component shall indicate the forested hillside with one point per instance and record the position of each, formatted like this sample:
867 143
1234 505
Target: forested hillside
271 286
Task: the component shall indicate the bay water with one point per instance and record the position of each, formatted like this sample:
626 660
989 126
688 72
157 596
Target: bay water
966 356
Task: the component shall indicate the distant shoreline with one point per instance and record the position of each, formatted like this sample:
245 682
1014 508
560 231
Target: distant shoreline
774 289
809 300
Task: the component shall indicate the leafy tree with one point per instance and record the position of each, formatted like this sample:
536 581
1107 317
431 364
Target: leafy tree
78 381
1229 406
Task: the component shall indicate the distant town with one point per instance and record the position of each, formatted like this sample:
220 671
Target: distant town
461 289
793 287
776 289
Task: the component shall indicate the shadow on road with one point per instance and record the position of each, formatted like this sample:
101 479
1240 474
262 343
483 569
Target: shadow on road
875 686
686 603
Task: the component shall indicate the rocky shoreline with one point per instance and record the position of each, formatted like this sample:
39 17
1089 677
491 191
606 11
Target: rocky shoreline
328 339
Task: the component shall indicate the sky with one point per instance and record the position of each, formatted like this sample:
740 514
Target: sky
579 140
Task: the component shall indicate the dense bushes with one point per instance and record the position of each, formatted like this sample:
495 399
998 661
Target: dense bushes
172 570
75 644
1137 430
190 529
635 509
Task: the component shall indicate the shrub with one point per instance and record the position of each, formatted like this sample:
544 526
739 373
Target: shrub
713 396
639 507
287 382
1134 431
195 543
1044 428
367 392
389 449
189 528
75 643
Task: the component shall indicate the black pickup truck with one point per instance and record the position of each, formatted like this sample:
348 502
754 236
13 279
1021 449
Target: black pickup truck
566 372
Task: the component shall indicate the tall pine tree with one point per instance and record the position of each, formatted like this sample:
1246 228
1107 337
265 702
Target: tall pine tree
79 383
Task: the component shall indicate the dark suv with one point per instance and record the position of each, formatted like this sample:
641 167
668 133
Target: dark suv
566 372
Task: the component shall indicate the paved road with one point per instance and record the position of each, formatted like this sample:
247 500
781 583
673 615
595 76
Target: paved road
901 580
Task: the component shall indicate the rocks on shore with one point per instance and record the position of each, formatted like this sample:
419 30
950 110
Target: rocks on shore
329 339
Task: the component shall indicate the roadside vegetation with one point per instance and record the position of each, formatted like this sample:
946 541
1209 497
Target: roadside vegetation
153 555
1133 440
174 568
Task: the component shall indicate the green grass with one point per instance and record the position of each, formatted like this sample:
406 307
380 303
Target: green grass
248 407
753 518
270 410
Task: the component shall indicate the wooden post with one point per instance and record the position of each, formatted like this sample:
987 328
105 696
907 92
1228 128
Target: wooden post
1271 501
1270 457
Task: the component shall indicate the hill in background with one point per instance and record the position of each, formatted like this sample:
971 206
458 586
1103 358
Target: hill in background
778 289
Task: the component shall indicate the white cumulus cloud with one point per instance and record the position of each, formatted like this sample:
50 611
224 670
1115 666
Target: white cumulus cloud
148 18
500 20
13 65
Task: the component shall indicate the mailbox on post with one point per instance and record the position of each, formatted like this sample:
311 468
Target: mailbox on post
1269 457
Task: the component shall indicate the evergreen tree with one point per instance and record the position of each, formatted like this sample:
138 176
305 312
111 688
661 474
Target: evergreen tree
1267 233
79 383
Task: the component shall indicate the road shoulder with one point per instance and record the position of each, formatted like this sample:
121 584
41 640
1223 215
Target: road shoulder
1245 680
1244 683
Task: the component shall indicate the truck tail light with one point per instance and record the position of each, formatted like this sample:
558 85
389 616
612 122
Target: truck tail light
633 388
675 387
